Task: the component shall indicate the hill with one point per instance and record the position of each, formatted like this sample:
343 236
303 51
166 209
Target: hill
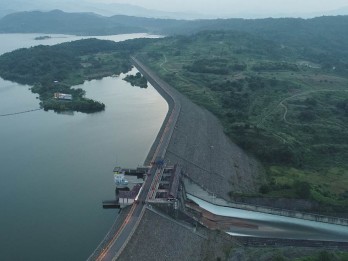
60 22
322 33
281 103
100 8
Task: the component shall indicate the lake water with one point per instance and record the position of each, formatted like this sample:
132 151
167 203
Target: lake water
10 42
57 168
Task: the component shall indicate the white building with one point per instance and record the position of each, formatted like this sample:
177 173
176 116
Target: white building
62 96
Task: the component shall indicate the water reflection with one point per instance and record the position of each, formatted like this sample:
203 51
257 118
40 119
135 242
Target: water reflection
56 169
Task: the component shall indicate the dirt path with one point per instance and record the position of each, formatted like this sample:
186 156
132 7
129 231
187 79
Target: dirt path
163 63
303 94
286 110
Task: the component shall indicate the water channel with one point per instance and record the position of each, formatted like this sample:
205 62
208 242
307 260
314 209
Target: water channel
257 224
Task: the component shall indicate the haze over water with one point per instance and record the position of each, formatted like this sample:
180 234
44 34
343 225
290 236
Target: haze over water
56 168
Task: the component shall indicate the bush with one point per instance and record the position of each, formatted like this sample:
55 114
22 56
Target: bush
303 189
264 189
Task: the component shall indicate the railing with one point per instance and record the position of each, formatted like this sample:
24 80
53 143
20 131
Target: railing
273 211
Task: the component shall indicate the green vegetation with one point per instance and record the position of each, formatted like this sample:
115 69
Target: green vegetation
43 37
52 69
325 256
136 80
282 104
280 89
59 22
288 254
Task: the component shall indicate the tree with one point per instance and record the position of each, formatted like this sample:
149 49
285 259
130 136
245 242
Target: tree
303 189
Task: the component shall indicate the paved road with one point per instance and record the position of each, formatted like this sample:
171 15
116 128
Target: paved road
128 227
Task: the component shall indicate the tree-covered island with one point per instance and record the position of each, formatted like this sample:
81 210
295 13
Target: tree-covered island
43 37
55 69
136 80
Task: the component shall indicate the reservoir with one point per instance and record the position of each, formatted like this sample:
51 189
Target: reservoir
57 168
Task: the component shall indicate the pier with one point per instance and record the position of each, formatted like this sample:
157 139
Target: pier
111 204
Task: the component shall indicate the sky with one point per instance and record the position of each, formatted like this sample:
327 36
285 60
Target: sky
235 6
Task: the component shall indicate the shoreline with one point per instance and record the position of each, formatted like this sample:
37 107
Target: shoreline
170 103
150 157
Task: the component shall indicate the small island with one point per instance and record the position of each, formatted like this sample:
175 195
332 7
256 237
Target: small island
43 37
55 69
136 80
52 98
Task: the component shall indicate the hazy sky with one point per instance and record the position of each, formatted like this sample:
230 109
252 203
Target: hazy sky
234 6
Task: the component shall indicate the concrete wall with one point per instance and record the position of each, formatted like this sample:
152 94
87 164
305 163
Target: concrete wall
196 190
155 80
294 214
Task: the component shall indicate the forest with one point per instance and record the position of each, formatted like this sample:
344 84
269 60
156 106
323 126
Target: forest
282 104
136 80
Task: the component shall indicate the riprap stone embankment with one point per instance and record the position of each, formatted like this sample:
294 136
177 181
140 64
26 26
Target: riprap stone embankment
200 146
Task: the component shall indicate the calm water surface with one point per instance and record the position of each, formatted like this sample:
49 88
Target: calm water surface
57 168
10 42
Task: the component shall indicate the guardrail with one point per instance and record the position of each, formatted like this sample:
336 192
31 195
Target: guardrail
161 144
273 211
174 111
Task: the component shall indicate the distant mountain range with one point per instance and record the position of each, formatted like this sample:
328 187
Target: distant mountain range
110 9
327 32
60 22
12 6
57 21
